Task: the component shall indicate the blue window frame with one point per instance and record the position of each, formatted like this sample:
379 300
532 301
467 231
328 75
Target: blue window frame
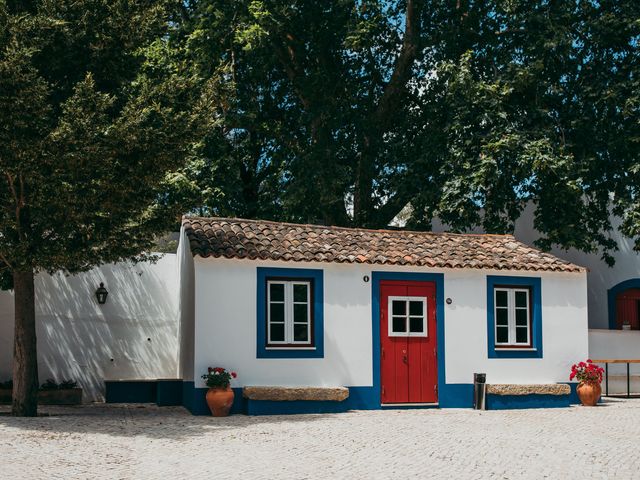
514 317
612 295
290 313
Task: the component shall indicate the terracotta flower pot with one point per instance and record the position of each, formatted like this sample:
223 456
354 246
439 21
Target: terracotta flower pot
589 393
220 400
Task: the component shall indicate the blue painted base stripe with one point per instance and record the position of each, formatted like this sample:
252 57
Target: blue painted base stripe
360 398
161 392
169 393
513 402
456 395
187 396
259 407
133 391
176 392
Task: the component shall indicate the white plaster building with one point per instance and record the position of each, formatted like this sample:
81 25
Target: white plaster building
397 317
172 319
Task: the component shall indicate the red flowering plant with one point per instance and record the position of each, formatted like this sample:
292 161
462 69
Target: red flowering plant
586 372
217 377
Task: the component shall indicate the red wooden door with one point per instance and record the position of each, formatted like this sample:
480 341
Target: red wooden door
628 308
408 342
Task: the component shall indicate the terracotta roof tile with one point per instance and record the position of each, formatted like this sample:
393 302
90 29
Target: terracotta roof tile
258 239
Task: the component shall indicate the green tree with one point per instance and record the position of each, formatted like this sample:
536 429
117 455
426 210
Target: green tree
537 102
319 103
347 111
97 118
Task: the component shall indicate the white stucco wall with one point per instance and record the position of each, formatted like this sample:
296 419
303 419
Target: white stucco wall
133 336
186 306
225 328
564 329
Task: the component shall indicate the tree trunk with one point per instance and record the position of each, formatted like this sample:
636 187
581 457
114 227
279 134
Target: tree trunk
25 354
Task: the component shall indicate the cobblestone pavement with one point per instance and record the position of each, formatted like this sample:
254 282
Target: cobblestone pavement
147 442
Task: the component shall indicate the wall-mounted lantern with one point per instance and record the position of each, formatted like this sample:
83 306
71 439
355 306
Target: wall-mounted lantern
101 294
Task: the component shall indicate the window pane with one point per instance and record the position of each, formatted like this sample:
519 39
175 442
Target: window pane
415 324
521 299
300 293
502 316
502 335
399 307
277 292
277 312
521 335
399 325
415 308
300 333
277 332
501 298
300 312
521 316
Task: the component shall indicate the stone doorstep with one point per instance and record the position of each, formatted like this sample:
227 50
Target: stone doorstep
538 389
289 394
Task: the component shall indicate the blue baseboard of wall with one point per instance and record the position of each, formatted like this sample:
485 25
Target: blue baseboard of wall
169 393
187 396
573 396
131 391
261 407
164 392
360 398
177 392
514 402
456 395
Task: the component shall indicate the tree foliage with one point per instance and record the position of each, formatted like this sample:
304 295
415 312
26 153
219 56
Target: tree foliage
347 111
97 118
97 122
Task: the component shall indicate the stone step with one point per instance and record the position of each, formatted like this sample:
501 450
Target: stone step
289 394
535 389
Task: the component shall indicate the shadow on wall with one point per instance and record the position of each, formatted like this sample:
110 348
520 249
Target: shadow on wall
133 336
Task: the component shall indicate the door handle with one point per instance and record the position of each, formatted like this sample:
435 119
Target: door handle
404 359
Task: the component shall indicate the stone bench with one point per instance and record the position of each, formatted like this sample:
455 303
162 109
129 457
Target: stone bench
291 394
514 396
535 389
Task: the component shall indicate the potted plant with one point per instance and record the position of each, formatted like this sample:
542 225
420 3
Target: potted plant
63 393
49 393
219 396
590 376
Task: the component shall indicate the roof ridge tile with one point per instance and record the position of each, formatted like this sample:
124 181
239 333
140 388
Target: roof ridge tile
266 239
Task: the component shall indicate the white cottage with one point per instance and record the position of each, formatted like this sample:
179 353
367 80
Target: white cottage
384 318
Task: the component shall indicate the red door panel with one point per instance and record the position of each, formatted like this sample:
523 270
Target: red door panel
393 369
408 360
628 308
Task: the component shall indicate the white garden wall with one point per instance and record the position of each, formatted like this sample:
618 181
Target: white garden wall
617 345
225 327
133 336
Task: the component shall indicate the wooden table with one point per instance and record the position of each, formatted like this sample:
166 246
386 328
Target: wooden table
606 362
